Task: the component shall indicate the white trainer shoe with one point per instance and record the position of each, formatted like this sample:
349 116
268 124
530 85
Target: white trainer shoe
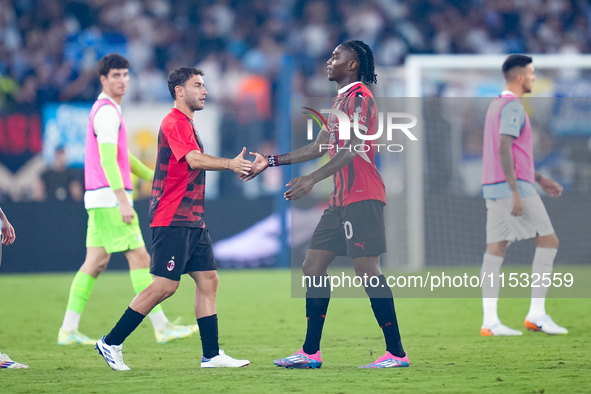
222 360
544 324
499 330
112 355
7 363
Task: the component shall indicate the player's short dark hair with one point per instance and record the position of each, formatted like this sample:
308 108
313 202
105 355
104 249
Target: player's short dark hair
515 61
179 76
112 61
366 63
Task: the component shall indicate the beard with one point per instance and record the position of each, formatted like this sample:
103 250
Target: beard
194 104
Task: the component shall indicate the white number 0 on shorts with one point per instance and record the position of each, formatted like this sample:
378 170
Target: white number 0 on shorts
348 229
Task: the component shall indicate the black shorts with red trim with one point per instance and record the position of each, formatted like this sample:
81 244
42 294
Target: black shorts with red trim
355 230
177 250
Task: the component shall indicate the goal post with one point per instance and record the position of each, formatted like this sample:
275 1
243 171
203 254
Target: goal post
411 80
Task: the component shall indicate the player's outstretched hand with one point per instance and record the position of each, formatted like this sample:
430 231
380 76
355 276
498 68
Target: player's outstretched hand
299 187
8 234
259 165
553 188
240 165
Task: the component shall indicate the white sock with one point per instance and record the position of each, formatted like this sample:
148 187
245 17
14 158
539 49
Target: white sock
71 321
542 264
490 294
159 320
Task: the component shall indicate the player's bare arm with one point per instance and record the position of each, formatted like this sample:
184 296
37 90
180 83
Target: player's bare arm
202 161
8 234
308 152
300 186
305 153
508 166
553 188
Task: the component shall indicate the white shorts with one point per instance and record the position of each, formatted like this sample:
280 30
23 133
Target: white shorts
502 226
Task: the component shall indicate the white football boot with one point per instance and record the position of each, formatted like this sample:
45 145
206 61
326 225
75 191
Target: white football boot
112 355
222 360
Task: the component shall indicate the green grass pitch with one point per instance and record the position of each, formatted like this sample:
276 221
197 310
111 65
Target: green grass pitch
259 321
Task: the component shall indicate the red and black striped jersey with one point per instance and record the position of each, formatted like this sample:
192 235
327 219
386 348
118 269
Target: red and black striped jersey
359 180
177 190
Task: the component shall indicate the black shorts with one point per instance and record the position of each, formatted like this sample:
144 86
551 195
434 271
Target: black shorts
355 230
178 250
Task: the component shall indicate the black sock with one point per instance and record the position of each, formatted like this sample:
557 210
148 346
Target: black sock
125 326
208 328
317 299
382 303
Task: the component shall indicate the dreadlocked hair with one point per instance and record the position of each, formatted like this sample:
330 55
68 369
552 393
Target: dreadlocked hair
366 64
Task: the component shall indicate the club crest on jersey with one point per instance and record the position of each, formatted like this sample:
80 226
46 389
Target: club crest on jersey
170 264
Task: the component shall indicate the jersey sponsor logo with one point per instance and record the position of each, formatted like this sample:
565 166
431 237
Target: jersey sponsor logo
170 264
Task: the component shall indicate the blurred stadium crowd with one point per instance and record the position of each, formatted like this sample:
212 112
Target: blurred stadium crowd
49 48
